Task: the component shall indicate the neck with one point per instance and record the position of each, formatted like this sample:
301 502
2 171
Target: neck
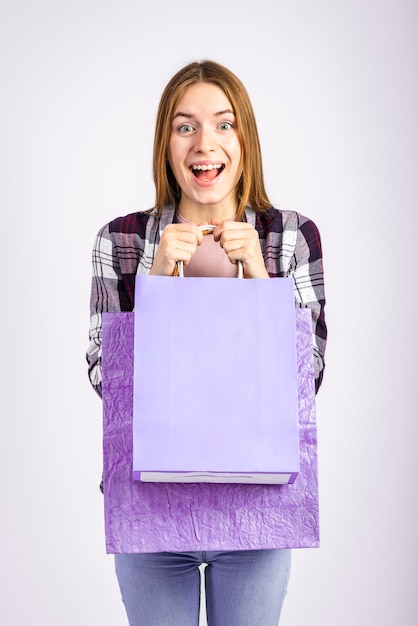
202 214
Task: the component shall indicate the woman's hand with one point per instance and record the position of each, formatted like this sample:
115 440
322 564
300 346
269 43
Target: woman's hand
178 243
241 243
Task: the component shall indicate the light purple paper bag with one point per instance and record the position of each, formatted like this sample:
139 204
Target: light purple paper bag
155 517
215 380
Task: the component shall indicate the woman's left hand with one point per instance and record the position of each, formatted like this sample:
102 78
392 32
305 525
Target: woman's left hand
241 243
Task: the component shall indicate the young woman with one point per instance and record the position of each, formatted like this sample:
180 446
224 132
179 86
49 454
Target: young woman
207 170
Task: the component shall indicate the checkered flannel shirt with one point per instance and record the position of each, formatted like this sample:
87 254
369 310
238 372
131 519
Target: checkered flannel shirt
290 244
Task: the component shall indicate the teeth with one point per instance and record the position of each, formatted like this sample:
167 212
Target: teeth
211 166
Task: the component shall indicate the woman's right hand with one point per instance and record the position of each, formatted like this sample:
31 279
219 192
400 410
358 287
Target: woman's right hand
178 242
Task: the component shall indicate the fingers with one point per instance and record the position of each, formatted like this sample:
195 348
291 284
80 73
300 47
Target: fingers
241 242
178 242
236 235
180 237
215 222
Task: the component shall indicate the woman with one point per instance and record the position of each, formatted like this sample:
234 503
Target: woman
207 170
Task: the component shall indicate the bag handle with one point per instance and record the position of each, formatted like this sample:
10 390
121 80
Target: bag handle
206 230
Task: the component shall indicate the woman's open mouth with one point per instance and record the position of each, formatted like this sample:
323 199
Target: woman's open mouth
207 172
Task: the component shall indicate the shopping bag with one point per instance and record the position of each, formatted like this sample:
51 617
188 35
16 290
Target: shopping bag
215 380
156 517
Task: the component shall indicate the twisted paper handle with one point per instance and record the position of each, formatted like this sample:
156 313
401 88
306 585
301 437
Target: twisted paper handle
206 230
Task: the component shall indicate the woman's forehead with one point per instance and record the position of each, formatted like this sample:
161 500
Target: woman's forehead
203 96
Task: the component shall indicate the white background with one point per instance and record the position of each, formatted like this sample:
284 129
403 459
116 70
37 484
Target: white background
334 88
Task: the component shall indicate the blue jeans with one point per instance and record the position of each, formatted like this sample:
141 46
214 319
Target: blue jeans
243 588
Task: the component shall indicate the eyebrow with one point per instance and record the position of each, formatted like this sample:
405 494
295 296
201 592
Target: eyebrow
190 115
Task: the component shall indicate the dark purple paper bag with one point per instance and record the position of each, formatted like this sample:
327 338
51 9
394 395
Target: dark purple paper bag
215 380
155 517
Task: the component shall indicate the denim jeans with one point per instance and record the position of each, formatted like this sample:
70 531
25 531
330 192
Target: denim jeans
243 588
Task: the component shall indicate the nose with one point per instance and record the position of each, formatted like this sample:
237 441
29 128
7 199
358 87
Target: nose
205 140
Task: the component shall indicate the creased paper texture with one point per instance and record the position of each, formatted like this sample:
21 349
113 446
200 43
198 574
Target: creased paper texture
155 517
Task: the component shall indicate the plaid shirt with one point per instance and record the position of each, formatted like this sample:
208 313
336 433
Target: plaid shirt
126 246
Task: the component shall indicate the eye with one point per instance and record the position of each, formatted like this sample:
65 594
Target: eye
226 125
185 128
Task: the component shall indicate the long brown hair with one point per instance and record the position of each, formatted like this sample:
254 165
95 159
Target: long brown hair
250 189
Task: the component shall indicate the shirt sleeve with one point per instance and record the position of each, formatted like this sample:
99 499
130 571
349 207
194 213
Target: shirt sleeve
306 268
106 286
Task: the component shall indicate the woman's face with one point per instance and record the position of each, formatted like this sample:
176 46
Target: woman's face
205 153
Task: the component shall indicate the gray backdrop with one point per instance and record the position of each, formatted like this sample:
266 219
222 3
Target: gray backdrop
334 88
